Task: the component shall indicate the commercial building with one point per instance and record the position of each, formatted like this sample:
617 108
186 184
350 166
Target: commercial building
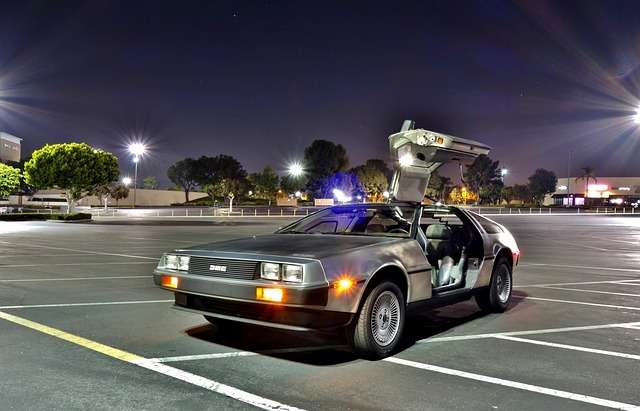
9 147
604 191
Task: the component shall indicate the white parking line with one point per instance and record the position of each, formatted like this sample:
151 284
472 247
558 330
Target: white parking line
584 267
130 358
72 264
591 291
79 251
526 332
9 307
34 280
514 384
552 300
569 347
631 282
245 353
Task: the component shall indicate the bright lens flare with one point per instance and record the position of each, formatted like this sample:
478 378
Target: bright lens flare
137 149
296 169
344 284
127 181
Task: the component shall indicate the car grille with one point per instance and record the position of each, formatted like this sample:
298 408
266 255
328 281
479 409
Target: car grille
236 269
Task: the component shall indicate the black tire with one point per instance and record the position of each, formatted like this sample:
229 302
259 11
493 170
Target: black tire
388 302
492 299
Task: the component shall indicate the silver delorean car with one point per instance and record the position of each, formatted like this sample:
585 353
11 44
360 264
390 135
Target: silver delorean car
356 267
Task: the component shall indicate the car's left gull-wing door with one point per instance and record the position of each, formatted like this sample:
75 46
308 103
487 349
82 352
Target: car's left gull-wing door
417 153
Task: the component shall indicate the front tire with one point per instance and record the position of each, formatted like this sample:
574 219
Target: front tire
380 322
497 296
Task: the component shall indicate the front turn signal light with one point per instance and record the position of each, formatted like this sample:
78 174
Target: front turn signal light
344 284
274 295
169 281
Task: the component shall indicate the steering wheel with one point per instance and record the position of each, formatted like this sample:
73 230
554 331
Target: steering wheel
398 231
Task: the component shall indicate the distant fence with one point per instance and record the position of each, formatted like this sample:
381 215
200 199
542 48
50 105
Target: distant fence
291 212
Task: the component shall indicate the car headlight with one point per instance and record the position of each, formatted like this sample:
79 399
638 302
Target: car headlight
270 271
292 273
174 262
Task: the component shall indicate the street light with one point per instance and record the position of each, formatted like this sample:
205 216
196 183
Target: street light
138 150
126 181
636 118
503 173
296 169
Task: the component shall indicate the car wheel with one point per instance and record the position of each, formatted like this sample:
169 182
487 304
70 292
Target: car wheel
380 321
497 296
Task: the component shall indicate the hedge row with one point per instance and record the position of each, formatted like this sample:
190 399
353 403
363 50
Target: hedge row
43 217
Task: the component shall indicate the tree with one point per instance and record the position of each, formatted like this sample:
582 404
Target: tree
373 180
439 187
211 173
9 180
76 168
150 183
184 174
482 173
118 192
322 159
507 194
265 184
491 192
291 184
462 195
521 192
227 188
103 192
380 165
542 182
346 182
588 174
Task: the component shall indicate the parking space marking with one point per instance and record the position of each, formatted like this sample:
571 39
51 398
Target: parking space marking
569 347
80 251
587 267
591 291
75 264
12 307
553 300
631 282
246 353
514 384
140 361
527 332
34 280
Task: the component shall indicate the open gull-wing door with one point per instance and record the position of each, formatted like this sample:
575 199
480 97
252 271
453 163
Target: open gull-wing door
418 153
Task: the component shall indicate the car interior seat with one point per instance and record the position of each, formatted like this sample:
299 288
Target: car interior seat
441 254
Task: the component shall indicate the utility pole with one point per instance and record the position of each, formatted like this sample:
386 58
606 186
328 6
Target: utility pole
569 202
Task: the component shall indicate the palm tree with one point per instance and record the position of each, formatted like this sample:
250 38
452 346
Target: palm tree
588 174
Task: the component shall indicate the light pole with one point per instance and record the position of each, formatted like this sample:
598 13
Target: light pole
138 150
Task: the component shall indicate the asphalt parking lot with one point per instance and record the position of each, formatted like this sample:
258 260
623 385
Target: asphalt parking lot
82 326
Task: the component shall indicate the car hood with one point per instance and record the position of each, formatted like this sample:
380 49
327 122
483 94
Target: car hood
294 245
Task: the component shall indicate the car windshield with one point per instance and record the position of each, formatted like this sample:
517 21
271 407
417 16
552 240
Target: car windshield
386 220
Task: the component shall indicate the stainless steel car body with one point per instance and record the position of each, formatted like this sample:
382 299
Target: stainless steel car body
326 259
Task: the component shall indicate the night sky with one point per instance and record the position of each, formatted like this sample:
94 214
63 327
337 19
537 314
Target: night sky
260 80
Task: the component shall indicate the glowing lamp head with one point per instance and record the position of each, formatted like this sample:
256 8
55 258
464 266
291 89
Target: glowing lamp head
126 181
296 169
137 149
504 172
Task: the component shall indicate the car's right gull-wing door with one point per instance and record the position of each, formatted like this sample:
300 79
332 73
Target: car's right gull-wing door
418 153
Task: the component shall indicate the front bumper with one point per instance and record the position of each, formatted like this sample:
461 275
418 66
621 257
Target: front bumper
269 315
303 307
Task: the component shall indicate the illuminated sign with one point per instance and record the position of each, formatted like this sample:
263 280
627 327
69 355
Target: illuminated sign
624 188
597 187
